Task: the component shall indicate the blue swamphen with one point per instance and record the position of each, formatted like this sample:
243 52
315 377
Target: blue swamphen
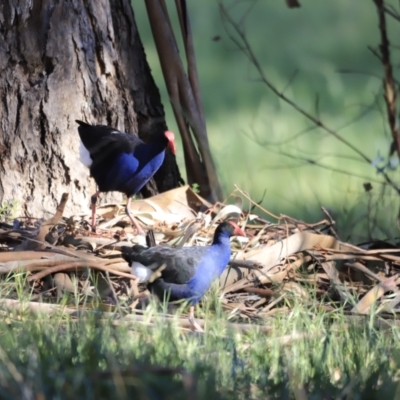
188 271
121 162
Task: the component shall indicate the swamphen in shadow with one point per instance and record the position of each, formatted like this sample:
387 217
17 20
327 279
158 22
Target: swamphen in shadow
188 271
121 162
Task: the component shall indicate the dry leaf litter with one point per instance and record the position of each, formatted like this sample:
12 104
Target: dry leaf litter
274 266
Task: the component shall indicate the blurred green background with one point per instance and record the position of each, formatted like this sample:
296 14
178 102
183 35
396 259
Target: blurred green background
257 140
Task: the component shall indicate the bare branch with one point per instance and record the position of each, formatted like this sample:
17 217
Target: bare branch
390 93
239 38
375 53
317 113
390 10
291 80
309 161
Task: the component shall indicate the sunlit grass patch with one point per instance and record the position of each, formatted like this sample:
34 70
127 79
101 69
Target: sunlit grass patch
97 355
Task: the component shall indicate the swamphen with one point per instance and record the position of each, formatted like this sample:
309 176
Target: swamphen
121 162
189 271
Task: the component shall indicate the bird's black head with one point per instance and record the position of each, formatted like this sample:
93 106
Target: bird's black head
230 228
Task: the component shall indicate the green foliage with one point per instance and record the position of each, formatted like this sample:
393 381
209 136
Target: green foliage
196 188
8 210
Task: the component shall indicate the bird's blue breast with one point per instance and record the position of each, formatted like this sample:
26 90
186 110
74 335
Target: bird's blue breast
210 268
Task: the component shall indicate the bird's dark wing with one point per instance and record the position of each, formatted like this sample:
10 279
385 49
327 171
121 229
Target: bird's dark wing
104 142
180 263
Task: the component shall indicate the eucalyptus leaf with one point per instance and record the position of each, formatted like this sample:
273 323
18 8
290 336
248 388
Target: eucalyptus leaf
229 210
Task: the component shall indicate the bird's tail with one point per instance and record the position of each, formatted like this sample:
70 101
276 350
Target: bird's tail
129 253
81 123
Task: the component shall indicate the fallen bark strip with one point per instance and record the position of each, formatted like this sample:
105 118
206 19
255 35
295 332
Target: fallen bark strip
75 265
364 305
118 264
98 241
34 307
24 255
357 251
45 227
29 264
361 251
184 323
61 250
334 257
11 305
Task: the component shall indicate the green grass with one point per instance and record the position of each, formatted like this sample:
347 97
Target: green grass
323 354
254 136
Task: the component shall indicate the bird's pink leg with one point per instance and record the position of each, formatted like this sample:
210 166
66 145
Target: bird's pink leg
139 229
93 201
194 323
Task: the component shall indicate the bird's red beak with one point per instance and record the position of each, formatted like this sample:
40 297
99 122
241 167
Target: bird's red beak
171 141
238 231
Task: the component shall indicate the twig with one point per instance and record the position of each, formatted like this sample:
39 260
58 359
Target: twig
243 44
390 93
392 13
78 265
256 204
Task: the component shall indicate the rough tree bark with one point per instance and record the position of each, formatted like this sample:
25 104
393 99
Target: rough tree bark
61 61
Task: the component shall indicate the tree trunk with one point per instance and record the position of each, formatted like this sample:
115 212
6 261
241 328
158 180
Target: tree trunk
184 93
61 61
